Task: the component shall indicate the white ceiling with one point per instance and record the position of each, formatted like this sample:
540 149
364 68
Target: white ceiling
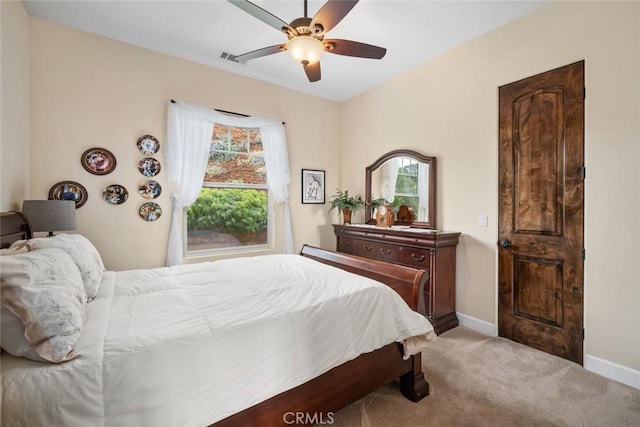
412 31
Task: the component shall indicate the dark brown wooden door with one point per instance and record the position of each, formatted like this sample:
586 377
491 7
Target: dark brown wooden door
541 211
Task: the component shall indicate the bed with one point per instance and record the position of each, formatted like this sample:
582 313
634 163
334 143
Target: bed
157 348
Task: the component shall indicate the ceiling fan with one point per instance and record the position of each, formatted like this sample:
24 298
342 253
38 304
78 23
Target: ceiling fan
306 36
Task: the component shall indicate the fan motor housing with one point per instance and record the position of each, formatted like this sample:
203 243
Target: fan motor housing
303 27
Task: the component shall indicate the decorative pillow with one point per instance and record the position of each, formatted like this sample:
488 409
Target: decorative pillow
85 255
43 301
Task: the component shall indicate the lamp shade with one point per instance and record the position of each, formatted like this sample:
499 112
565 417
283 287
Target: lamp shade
305 50
50 215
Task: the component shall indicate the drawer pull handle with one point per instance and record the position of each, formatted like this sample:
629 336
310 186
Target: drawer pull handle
367 248
417 258
385 251
344 243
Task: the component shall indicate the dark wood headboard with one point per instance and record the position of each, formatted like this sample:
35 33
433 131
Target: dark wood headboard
13 226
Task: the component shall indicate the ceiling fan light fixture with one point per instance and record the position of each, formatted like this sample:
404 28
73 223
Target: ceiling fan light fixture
305 50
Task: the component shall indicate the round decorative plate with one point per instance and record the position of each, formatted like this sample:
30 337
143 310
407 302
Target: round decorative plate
115 194
150 211
149 189
148 144
98 161
69 190
149 166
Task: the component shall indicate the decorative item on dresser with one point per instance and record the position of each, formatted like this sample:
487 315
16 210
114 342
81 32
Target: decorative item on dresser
346 204
385 216
431 250
406 214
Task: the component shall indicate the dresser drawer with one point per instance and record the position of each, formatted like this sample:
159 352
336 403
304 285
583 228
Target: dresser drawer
348 245
406 255
390 252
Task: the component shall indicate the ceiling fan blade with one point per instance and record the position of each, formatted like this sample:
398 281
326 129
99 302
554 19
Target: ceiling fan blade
332 12
313 71
270 50
258 12
351 48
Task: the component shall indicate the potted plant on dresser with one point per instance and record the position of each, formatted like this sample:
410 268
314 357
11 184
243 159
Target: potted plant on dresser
346 204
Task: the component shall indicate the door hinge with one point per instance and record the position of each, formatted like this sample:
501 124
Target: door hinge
583 253
582 172
582 333
584 93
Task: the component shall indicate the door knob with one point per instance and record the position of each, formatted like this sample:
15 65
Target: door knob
505 244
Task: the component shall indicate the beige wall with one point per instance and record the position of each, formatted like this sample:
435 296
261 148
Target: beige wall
448 108
14 109
90 91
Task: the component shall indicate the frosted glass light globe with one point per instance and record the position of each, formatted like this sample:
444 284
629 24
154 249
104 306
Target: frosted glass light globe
305 50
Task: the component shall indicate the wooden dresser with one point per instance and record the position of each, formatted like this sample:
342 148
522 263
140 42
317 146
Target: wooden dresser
432 250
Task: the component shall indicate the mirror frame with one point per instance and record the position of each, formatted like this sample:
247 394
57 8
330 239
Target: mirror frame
430 222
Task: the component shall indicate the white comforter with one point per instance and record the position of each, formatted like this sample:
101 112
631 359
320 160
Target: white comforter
190 345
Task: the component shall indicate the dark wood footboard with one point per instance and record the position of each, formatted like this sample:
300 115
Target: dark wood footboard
315 401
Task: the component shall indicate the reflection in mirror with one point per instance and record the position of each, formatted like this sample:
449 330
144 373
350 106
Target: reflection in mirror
403 177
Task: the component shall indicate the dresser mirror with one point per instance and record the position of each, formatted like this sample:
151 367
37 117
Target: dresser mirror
403 177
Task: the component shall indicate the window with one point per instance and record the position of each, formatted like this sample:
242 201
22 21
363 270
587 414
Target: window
407 184
232 210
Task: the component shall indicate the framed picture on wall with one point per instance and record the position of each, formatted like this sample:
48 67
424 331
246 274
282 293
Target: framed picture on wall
312 186
69 190
98 161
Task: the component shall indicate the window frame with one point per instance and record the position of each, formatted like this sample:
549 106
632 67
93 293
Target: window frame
269 245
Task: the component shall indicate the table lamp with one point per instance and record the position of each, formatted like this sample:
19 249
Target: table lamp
50 215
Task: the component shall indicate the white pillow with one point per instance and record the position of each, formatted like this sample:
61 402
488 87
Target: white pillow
14 251
43 301
81 250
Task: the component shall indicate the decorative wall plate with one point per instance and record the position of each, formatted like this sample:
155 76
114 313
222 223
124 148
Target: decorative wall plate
69 190
148 144
98 161
149 166
115 194
149 189
150 211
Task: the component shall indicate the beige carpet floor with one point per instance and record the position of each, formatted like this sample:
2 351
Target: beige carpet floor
483 381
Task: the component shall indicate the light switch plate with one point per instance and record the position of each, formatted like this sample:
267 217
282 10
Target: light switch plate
483 220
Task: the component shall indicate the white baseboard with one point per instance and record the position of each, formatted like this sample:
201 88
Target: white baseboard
611 370
477 325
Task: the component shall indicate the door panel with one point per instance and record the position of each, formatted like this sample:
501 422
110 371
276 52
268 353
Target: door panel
541 218
538 172
538 290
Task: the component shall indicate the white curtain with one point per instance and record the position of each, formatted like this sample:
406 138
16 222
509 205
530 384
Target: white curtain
185 145
423 191
188 145
276 160
389 178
